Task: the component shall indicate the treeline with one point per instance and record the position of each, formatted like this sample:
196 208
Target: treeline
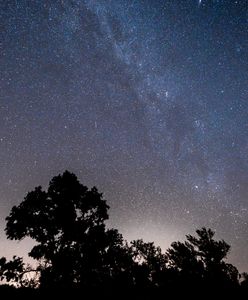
75 250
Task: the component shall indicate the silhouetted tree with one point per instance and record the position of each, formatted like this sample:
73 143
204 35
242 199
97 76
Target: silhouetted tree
212 253
201 259
74 248
67 222
11 271
183 260
149 263
117 261
244 281
17 273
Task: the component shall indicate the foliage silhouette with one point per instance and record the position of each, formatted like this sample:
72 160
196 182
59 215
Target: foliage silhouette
67 222
11 271
15 272
76 250
201 259
149 263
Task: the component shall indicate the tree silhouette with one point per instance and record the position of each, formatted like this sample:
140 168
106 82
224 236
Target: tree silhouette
16 272
74 248
201 259
11 271
149 263
67 222
183 260
244 280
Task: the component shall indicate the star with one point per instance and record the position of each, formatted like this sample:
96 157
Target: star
143 101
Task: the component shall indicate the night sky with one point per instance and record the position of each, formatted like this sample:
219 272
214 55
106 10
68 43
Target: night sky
145 99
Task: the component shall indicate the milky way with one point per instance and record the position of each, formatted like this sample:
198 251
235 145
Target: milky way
147 100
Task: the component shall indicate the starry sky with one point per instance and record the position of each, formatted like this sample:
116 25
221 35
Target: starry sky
145 99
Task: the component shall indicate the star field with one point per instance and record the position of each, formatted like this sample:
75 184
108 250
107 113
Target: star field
147 100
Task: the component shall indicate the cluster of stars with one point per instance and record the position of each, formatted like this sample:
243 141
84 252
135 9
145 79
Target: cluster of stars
147 101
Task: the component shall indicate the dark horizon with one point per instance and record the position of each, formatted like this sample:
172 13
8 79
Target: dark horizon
147 100
75 251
